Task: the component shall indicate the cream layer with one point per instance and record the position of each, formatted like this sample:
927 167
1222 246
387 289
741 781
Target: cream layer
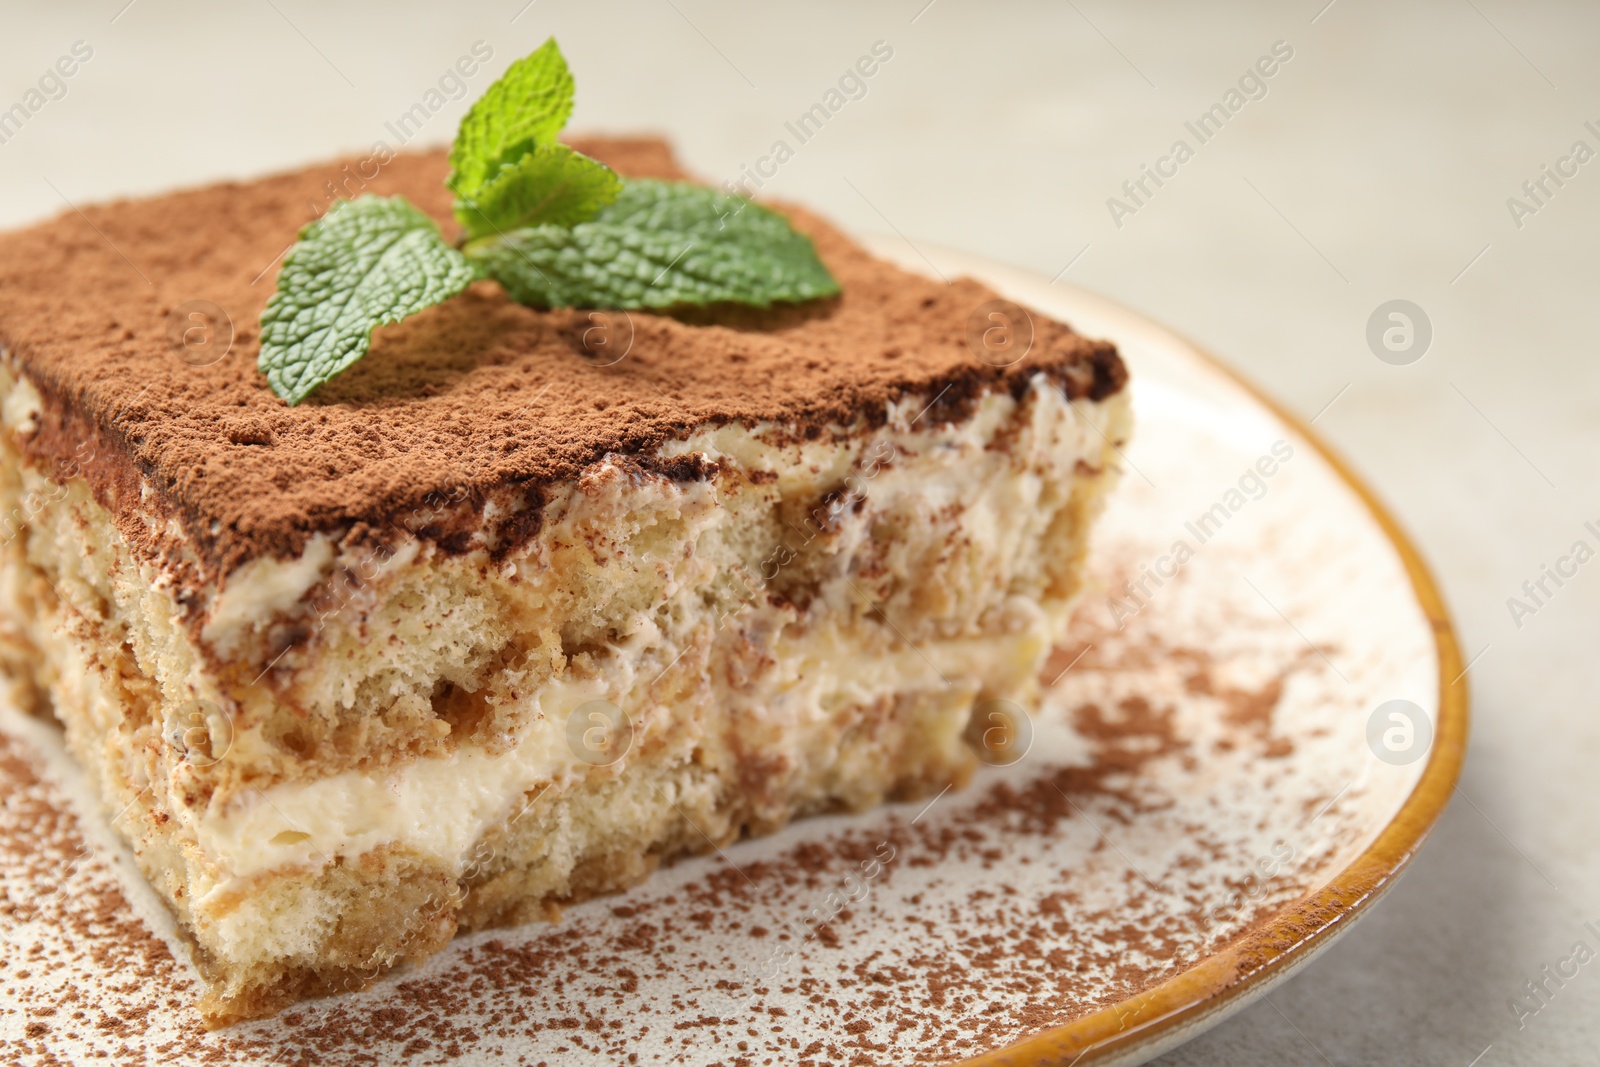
440 807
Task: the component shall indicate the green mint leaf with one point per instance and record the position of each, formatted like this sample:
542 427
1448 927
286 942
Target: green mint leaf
551 185
366 263
526 108
660 244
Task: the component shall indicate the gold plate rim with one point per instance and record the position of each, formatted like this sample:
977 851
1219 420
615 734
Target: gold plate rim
1187 1003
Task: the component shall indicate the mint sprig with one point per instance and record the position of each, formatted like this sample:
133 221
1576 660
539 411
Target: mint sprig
551 225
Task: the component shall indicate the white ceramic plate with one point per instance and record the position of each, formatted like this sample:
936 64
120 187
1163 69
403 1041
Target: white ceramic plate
1217 786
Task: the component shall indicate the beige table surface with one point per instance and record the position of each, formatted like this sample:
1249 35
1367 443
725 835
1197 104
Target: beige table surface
1377 166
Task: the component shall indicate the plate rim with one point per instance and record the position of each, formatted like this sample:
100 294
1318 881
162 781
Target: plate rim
1227 980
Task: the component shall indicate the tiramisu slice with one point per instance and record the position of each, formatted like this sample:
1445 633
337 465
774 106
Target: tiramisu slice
526 601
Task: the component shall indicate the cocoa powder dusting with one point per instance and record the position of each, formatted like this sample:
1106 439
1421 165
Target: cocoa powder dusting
477 396
989 925
63 912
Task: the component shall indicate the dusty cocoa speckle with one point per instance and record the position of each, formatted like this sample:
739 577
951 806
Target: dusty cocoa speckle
435 404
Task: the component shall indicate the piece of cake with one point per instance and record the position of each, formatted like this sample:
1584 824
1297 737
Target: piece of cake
527 601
